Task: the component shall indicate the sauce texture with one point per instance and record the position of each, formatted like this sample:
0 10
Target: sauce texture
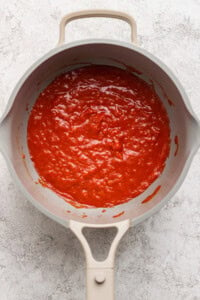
98 136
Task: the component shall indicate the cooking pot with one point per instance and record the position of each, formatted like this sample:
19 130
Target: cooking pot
185 140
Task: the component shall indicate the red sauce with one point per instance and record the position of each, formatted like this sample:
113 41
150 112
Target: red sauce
170 102
98 136
150 197
119 215
84 216
177 145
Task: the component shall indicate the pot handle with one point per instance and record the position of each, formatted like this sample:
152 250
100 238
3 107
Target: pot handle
100 274
97 13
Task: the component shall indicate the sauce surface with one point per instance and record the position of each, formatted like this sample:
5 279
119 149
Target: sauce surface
98 136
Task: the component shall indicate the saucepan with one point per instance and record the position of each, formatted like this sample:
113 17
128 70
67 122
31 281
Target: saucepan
185 140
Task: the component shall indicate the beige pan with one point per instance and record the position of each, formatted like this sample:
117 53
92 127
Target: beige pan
13 131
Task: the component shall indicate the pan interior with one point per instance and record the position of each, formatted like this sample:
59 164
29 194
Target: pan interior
78 56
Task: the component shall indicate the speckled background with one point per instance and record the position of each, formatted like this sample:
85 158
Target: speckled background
159 259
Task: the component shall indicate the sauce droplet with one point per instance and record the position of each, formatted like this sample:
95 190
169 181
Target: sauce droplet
176 141
150 197
119 215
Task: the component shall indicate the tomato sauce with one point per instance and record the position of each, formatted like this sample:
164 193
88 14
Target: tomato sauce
150 197
119 215
176 141
98 136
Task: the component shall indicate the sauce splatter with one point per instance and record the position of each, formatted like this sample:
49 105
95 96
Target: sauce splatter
98 136
84 216
103 210
119 215
176 141
23 156
170 102
150 197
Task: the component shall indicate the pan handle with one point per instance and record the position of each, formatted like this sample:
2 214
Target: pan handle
97 13
100 274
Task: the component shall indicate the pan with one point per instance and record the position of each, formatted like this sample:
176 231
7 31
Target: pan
185 140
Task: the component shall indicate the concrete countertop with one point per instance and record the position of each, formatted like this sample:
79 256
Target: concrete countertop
159 259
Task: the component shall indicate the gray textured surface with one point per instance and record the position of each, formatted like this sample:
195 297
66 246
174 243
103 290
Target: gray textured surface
159 259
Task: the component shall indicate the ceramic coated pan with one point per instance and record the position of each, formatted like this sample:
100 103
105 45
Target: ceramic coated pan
184 126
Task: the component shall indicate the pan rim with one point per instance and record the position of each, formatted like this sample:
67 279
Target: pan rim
130 46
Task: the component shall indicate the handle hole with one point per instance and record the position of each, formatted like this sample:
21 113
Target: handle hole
97 27
100 240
